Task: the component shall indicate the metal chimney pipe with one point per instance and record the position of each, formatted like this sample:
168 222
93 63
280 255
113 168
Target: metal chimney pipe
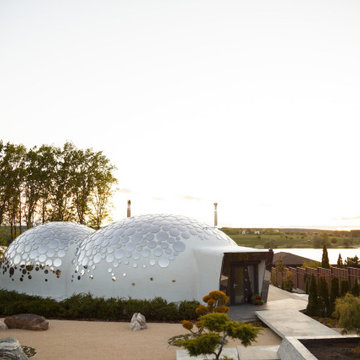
129 209
215 215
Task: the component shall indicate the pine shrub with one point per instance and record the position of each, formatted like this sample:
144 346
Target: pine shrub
312 307
325 258
355 290
334 292
323 298
344 287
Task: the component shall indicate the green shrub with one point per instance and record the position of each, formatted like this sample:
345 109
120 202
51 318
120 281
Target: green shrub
84 306
325 258
347 310
312 307
287 283
355 290
307 283
344 287
323 298
334 292
187 310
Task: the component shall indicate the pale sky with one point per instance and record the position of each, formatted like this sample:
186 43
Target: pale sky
254 104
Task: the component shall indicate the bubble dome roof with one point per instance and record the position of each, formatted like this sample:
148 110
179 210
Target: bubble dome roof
46 244
148 240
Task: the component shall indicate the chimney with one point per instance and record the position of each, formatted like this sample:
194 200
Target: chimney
215 215
129 209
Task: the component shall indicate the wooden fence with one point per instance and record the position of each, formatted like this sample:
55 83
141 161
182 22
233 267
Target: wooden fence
300 275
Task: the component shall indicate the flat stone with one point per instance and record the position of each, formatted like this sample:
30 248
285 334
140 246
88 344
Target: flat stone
293 323
232 353
27 322
10 349
258 352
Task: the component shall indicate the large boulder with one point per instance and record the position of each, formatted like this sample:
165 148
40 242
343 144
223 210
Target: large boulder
10 349
27 322
138 322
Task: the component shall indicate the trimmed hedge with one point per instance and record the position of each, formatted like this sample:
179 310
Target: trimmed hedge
84 306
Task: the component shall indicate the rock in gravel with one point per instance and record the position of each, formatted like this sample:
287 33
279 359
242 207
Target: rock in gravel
27 322
10 349
138 322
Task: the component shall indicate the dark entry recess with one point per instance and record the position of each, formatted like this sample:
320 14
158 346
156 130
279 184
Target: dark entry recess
243 282
240 275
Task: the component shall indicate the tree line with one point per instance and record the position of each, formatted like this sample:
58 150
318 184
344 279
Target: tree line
50 183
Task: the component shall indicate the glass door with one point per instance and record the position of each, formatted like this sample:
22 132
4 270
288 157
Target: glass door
240 285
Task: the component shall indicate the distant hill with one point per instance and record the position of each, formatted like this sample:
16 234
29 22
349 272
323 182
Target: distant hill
293 238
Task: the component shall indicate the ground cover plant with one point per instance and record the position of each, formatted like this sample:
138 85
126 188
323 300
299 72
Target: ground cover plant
28 351
84 306
209 334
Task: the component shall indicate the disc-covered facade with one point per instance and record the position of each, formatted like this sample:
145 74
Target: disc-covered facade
142 257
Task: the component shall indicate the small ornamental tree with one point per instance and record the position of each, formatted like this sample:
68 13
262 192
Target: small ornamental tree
312 307
323 298
347 310
344 287
217 327
334 292
287 282
325 258
209 334
280 267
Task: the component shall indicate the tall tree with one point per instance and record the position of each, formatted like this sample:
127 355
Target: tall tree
102 192
62 194
32 185
56 184
325 258
12 173
47 177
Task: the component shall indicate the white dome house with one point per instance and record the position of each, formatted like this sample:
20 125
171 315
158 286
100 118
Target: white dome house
37 262
174 257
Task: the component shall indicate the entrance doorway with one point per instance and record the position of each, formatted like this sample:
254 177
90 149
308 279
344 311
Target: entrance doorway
242 283
239 278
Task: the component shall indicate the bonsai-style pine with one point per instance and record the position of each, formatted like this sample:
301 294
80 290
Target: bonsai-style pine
214 327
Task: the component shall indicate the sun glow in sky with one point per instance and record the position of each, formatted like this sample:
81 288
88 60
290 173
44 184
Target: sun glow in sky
250 103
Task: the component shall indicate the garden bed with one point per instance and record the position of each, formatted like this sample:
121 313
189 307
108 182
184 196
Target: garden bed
333 349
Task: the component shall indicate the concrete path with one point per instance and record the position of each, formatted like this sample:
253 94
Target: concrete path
293 323
277 300
258 352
